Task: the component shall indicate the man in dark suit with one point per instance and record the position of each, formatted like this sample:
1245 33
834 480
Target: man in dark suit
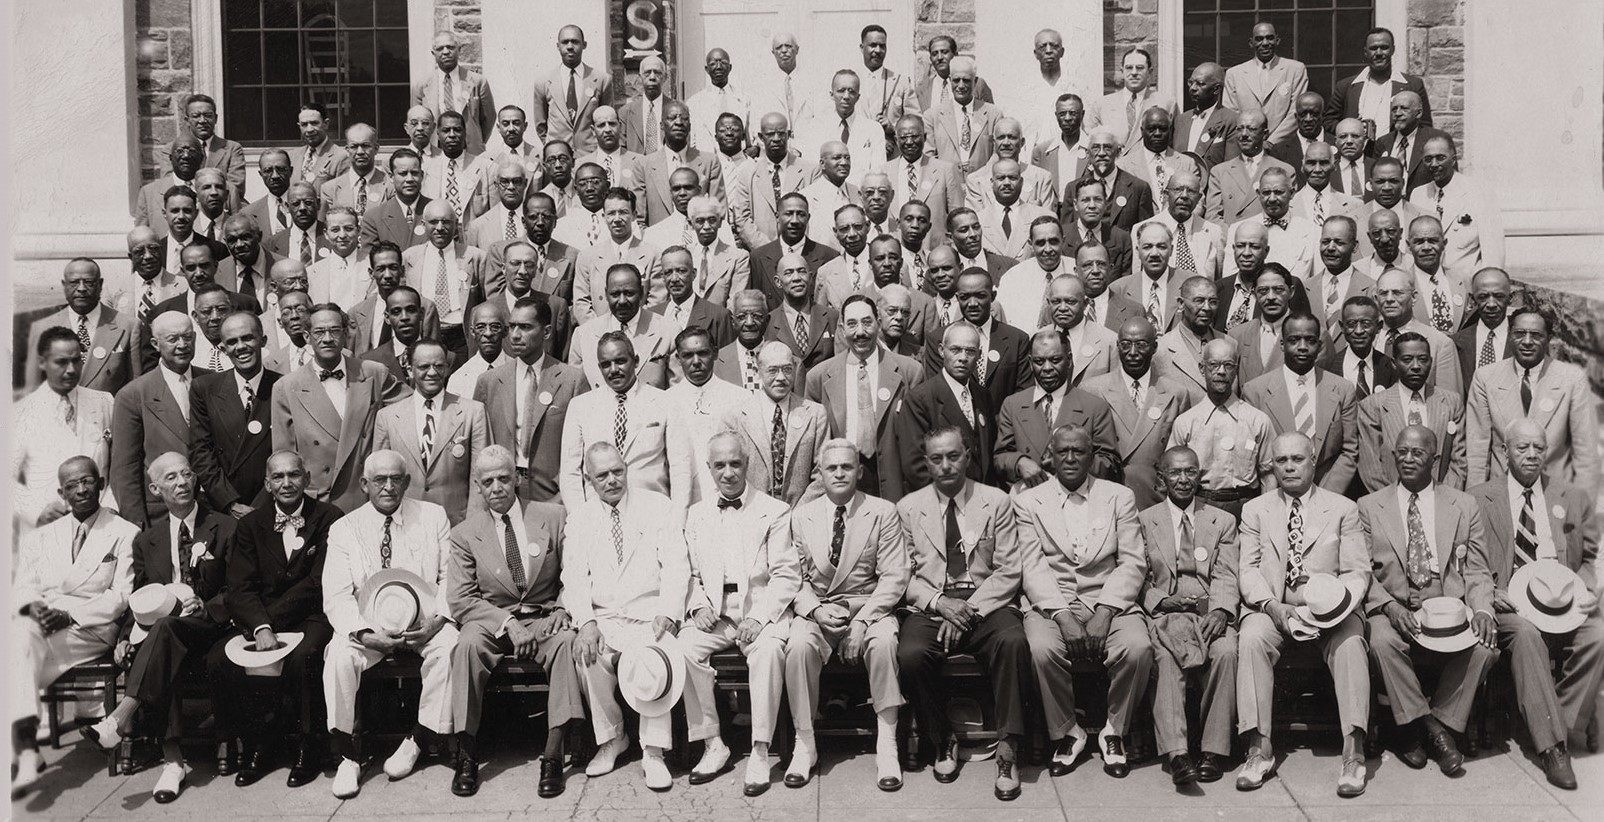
683 308
1096 272
801 321
228 412
1407 142
676 153
526 400
1025 419
1143 405
644 113
268 212
1238 303
1351 96
1354 356
737 362
1082 218
950 397
967 235
1306 110
368 329
404 314
275 573
793 220
248 267
1350 173
1207 129
554 260
187 546
1233 189
151 417
1485 339
398 219
1004 367
200 271
1130 200
1299 398
304 240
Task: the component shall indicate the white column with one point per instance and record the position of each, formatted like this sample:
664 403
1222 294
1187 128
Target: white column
520 43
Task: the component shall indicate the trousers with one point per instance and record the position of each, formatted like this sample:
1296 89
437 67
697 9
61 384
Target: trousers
806 651
1127 654
997 642
345 661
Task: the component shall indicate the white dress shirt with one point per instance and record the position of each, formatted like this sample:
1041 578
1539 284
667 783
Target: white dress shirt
178 384
334 387
451 310
1500 336
466 376
1375 101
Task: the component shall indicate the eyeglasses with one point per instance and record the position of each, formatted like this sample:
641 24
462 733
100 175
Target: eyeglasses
388 480
491 328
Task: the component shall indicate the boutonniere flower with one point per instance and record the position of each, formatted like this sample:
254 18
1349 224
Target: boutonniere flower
1464 219
107 434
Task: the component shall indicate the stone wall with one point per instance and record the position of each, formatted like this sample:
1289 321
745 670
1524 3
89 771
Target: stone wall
1126 25
955 18
461 17
1437 53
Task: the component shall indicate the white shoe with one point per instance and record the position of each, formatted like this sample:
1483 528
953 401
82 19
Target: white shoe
29 764
656 770
347 779
170 783
403 760
104 734
800 771
606 757
757 775
714 758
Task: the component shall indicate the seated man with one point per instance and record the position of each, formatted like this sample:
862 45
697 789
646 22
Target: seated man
963 597
1421 568
388 531
1288 535
1191 577
504 569
73 578
744 575
625 587
1530 518
1081 535
849 588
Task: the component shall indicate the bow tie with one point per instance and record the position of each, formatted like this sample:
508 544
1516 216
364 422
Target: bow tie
729 503
325 374
1274 221
281 520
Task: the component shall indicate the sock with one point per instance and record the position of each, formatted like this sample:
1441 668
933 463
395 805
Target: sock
345 746
760 750
886 731
465 744
24 734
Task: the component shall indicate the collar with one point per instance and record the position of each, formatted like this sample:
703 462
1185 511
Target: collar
965 493
254 382
298 511
1176 513
1292 377
188 520
872 361
439 402
1065 495
1286 499
957 389
1518 491
1036 394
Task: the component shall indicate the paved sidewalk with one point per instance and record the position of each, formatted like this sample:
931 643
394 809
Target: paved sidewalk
1499 786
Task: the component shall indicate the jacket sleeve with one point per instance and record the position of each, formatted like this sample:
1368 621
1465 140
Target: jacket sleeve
698 598
1001 587
1040 583
674 586
1584 433
1476 567
1130 571
243 596
1478 434
127 441
891 567
920 592
1455 456
1347 463
204 456
576 596
1371 448
1255 589
1225 593
785 576
339 584
1353 553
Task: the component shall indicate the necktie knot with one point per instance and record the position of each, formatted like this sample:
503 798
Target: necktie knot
725 502
1275 221
328 374
282 520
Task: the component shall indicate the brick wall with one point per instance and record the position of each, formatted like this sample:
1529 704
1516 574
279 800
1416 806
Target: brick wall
1127 24
954 18
1437 53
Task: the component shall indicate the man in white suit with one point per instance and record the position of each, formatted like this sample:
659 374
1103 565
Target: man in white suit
55 422
744 574
1293 240
1268 83
626 588
72 583
1473 223
636 419
1316 200
1006 219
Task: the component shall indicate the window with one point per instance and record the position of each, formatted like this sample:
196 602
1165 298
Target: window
349 55
1328 36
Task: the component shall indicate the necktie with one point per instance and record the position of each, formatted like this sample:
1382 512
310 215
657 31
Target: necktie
1415 403
80 533
725 502
1303 409
620 422
282 520
917 263
774 171
306 248
651 126
442 293
945 95
594 234
966 403
83 333
428 430
1295 571
1046 403
1439 204
957 567
1354 186
183 396
147 300
1402 150
307 174
1420 571
1130 112
448 93
281 212
69 412
777 453
1333 291
618 533
1526 391
980 363
1240 315
702 272
1364 383
250 401
913 182
186 541
846 132
1441 316
215 363
866 438
1185 562
384 543
515 557
790 113
1273 222
800 329
512 228
1008 221
325 374
1487 356
688 237
1525 532
607 163
965 136
857 276
1152 301
247 280
838 534
527 427
749 378
573 91
1181 258
1136 393
451 183
1392 337
361 195
1091 311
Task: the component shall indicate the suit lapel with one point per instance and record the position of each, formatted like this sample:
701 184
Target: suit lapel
890 386
316 401
1447 518
1163 537
357 401
449 423
165 406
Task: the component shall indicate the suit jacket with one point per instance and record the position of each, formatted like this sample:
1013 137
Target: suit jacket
442 476
1111 565
1119 309
551 116
1381 370
1572 520
1415 171
223 154
807 427
1175 361
260 212
1015 244
827 386
1108 112
651 335
481 588
1214 532
1007 361
1460 540
709 315
1251 353
1382 418
181 303
1336 433
1022 431
342 191
657 445
362 316
420 544
385 355
1169 307
820 343
230 461
590 276
630 121
328 160
1339 182
558 383
1444 360
769 578
655 577
228 275
113 358
1345 93
1459 301
479 282
388 221
1355 282
656 168
1036 189
146 422
941 186
1218 142
1333 539
1142 433
471 98
990 543
1232 194
1333 202
1206 241
1274 95
765 261
93 588
268 585
1469 354
333 443
754 212
41 441
1563 405
946 138
152 558
872 573
279 244
1117 240
931 405
557 263
1129 202
1298 300
1289 149
729 272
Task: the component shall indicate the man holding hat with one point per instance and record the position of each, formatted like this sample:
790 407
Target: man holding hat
384 589
1543 536
179 570
626 588
504 571
1303 569
1428 555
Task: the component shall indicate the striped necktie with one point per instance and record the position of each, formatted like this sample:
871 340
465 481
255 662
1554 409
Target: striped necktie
1525 532
1303 409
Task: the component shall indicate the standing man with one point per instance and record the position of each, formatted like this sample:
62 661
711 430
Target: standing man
363 184
675 153
511 126
863 136
399 220
567 96
1395 296
1355 356
1065 154
794 217
1385 414
650 333
1207 129
802 321
962 125
370 328
1306 113
700 401
1442 295
270 212
1367 96
1230 437
438 434
1156 287
488 325
1267 82
457 177
1233 184
1336 278
1486 340
1317 200
152 417
1081 215
1003 367
1197 246
526 400
1143 406
503 221
454 274
887 95
108 339
936 86
229 415
917 174
1260 339
318 159
949 398
223 154
1121 112
715 100
758 194
1027 419
1179 350
1472 222
1129 200
1293 240
452 87
621 246
1407 142
1298 397
57 421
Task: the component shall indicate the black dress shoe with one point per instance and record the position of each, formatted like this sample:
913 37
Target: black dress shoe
466 782
1210 768
1182 770
253 765
551 777
1446 753
889 784
798 780
1556 763
228 758
308 764
755 788
1114 746
1415 755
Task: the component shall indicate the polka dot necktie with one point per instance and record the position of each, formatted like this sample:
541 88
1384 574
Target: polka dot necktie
83 333
1487 356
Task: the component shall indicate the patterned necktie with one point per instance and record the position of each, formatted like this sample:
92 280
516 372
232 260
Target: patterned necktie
594 234
1303 409
866 438
857 276
69 412
1240 315
515 557
512 227
573 92
838 534
620 421
1441 315
1136 392
703 272
1402 150
307 174
1419 554
957 567
1152 301
749 378
1091 310
800 329
618 532
451 184
1526 391
1319 209
945 92
1439 204
1046 409
448 93
790 113
384 543
428 430
981 371
80 534
1295 570
1130 112
281 212
147 301
1274 222
83 333
1181 258
1392 337
651 127
774 171
186 541
306 248
250 401
965 136
1415 403
777 454
1333 292
1488 355
361 195
1525 532
1185 562
913 182
1364 382
215 363
442 293
966 403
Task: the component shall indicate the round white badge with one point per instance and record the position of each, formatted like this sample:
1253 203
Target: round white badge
884 394
1453 426
980 421
323 252
1548 404
1227 443
796 421
1200 553
1558 511
254 426
993 355
545 398
457 451
1206 138
1121 201
418 229
1153 413
1459 299
1460 551
99 352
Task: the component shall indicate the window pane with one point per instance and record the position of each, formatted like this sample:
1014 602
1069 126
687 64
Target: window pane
283 57
359 57
393 64
279 108
243 58
243 108
242 14
317 14
1314 41
390 14
393 104
1351 27
356 14
279 14
1237 5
